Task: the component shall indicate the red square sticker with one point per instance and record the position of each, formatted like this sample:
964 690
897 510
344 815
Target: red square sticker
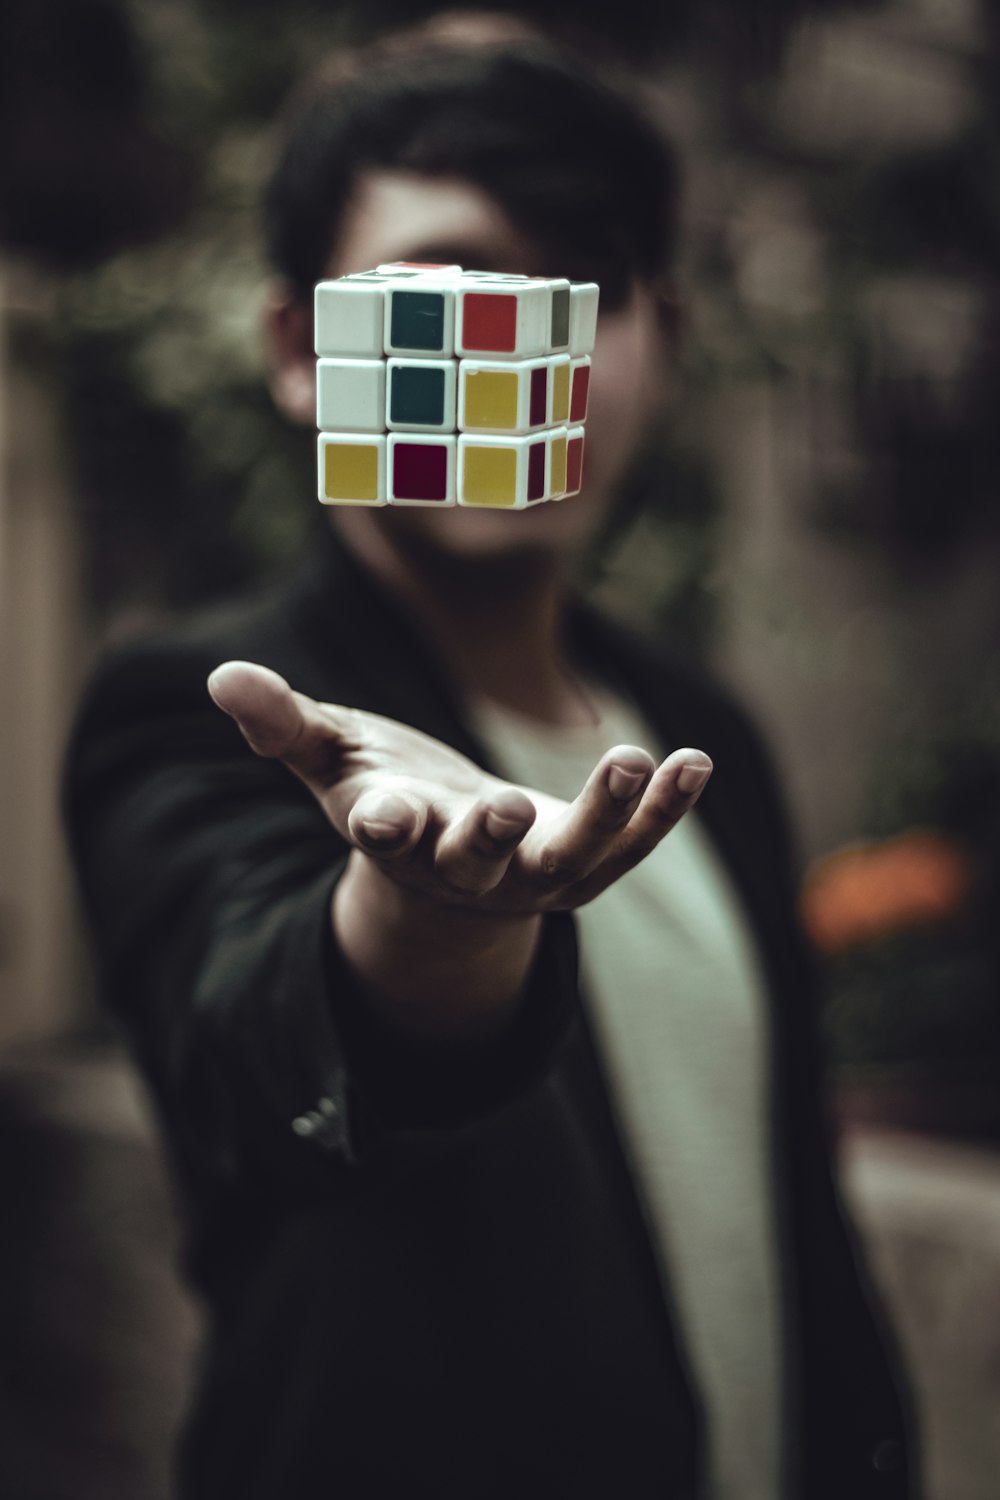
489 322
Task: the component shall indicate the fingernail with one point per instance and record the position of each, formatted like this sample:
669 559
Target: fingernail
388 819
379 831
501 827
622 784
691 779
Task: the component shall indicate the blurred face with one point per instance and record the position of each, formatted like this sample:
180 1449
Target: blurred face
403 216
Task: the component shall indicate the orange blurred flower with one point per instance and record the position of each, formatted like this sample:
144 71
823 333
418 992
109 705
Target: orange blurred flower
866 891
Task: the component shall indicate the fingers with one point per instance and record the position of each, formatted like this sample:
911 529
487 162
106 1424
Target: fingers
387 823
278 723
673 791
581 838
473 853
466 854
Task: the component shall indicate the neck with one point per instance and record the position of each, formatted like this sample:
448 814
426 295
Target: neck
496 621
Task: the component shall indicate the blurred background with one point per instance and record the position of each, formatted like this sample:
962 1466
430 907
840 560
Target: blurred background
820 523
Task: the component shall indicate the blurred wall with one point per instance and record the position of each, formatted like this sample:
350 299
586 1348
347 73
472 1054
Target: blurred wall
821 518
42 649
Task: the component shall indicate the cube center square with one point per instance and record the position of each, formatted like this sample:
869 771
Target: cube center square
438 386
580 376
421 394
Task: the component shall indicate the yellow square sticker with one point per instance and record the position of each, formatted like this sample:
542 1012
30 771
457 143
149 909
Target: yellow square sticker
558 472
351 471
560 393
491 399
489 476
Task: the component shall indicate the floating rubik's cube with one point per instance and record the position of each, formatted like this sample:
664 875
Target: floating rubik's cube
438 386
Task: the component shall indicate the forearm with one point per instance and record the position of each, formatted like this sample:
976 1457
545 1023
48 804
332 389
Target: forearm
440 976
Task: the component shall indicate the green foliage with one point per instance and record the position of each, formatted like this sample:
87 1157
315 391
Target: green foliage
179 448
920 999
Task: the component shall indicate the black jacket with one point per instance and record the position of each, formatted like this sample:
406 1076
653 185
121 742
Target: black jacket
419 1283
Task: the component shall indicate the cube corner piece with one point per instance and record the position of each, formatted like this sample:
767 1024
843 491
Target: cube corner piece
348 319
351 468
502 473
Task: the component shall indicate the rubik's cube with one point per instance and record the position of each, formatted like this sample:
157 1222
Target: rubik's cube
438 386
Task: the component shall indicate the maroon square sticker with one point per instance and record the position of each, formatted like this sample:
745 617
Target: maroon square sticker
536 471
538 397
420 471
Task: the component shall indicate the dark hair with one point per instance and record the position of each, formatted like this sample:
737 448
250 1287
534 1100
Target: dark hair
572 161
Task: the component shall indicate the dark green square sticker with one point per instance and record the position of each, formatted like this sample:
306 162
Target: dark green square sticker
416 396
560 317
417 321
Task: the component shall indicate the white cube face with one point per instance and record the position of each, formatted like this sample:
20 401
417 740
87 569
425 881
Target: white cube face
352 469
350 395
584 297
349 319
421 468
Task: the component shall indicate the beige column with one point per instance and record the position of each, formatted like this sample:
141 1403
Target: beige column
42 649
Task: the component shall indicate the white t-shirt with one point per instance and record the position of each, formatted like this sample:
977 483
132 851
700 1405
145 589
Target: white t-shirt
675 993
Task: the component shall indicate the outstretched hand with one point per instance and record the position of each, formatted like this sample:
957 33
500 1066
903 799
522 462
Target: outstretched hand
439 909
436 824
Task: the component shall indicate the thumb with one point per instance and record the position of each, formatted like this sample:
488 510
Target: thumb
275 721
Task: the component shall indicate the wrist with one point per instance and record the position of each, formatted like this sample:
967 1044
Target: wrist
432 970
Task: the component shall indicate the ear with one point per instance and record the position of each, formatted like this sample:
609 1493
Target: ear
669 311
667 321
288 341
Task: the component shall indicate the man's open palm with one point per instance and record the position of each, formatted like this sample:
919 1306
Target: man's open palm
438 824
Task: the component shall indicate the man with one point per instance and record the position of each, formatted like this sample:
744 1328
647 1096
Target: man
463 1226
